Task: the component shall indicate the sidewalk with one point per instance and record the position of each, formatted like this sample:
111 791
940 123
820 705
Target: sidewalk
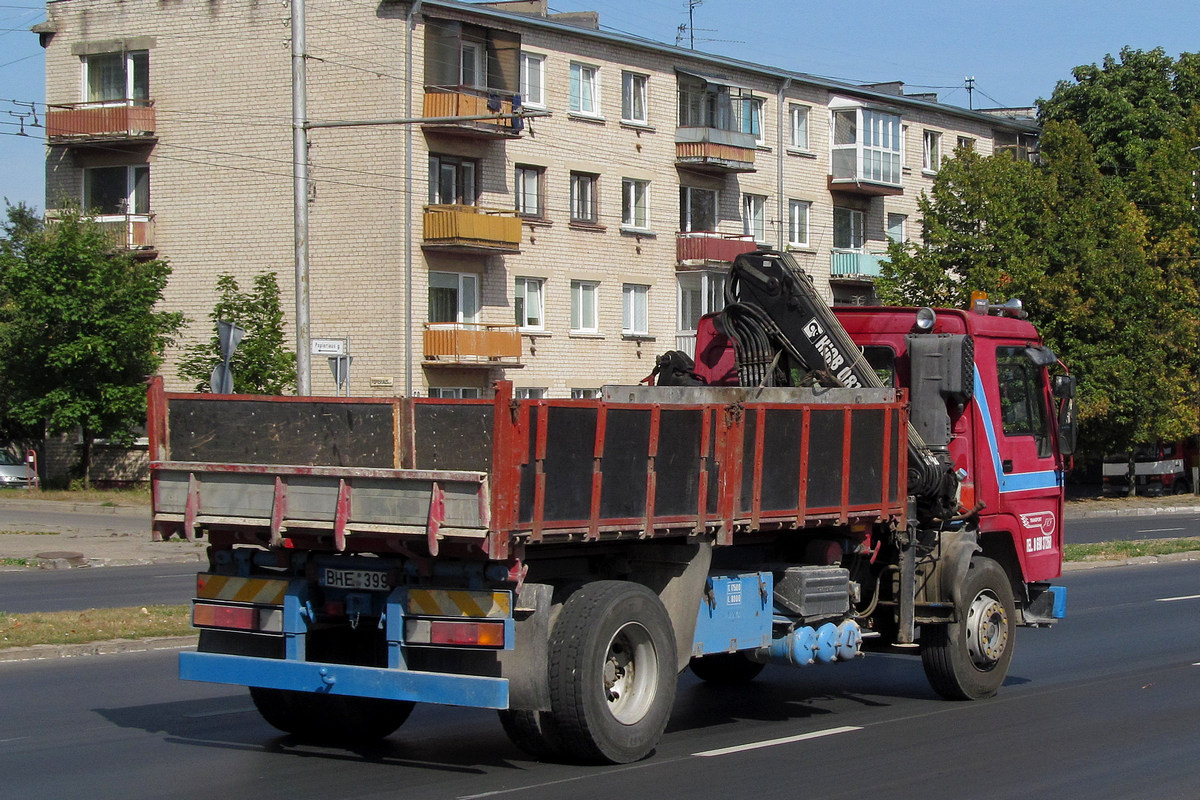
85 535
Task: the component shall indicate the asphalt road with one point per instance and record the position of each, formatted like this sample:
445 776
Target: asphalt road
1104 706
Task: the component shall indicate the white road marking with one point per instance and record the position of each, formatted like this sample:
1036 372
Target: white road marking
772 742
1173 599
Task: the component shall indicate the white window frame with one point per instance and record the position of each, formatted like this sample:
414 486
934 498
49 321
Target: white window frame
635 204
523 176
529 303
533 80
635 98
687 222
897 221
635 309
799 117
467 284
585 307
585 201
754 216
931 151
130 63
709 288
799 222
583 96
857 230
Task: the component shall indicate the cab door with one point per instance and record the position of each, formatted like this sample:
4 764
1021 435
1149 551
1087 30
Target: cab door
1016 410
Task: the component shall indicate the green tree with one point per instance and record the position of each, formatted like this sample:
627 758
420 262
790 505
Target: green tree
78 331
262 363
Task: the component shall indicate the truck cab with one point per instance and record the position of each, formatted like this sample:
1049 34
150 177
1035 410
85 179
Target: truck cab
1005 440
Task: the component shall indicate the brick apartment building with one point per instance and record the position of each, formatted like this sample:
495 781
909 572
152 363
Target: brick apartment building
562 251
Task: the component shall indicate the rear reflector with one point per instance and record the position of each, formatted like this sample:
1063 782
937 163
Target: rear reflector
454 633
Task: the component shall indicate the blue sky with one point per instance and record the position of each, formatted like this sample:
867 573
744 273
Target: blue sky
1016 51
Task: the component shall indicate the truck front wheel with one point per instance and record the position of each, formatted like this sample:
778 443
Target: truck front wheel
968 659
612 672
333 719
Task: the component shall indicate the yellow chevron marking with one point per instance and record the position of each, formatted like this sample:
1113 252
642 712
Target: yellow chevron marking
459 603
264 591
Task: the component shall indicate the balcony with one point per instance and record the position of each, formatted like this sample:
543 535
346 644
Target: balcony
456 344
442 102
855 265
714 150
472 229
96 123
695 248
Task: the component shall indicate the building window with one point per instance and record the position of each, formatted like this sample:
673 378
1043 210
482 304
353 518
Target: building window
584 205
533 80
455 392
798 222
751 117
585 90
799 134
931 151
700 293
635 201
452 181
585 394
867 146
529 393
117 191
896 224
117 77
531 191
847 228
634 98
528 294
453 297
754 220
635 315
697 209
966 143
584 315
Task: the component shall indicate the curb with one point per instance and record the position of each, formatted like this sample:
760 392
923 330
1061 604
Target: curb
47 652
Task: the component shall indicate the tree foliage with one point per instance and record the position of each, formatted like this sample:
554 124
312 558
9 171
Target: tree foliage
262 363
79 333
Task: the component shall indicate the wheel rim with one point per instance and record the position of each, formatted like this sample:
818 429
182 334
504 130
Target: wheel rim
630 673
987 630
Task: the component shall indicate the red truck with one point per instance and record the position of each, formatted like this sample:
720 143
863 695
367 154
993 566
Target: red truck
880 480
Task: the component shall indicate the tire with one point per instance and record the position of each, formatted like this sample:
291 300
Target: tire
331 719
532 731
612 672
968 659
726 669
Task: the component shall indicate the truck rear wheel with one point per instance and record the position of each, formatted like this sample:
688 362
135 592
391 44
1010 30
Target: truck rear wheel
968 659
334 719
726 669
612 672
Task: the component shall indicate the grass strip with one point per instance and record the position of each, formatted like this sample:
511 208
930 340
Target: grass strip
1106 551
93 625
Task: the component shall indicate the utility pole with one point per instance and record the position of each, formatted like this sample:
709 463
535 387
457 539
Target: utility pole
300 197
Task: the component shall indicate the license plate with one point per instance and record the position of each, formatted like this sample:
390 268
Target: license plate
368 579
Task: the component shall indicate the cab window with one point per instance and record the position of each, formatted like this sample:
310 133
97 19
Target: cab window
1022 397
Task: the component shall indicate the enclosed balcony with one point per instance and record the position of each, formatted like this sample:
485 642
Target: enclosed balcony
101 123
697 248
472 344
472 229
714 150
855 265
444 103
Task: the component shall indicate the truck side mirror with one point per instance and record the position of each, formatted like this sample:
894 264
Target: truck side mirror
1068 425
1064 386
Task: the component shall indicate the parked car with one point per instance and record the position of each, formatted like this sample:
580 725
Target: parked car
13 471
